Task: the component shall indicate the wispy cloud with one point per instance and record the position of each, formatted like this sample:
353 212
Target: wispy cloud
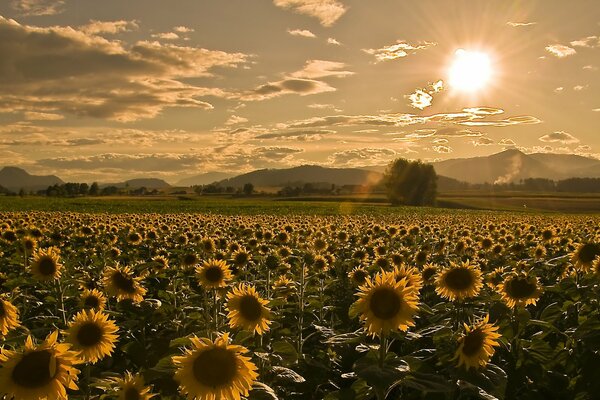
302 33
109 27
520 24
399 50
317 69
559 137
422 98
560 50
590 42
38 7
326 11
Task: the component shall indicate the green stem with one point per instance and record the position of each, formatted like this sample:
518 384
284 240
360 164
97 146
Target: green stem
301 311
61 300
382 349
88 383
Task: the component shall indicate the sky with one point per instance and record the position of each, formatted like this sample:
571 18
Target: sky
109 90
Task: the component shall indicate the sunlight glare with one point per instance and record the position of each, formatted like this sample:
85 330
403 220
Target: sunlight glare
470 70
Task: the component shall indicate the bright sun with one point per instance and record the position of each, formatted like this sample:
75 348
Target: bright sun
470 70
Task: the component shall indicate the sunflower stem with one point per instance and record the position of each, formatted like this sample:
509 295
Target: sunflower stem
216 311
88 383
382 349
301 310
61 300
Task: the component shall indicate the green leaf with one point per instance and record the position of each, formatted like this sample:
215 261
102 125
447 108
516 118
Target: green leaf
428 383
260 391
288 374
286 351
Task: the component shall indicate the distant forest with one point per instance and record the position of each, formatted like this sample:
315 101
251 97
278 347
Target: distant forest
571 185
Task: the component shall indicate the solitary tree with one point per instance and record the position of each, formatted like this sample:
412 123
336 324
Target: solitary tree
410 182
248 189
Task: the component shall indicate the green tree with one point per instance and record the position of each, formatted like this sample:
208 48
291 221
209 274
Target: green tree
94 189
410 182
248 189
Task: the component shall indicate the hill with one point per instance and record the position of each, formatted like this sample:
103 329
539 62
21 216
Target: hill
148 183
15 179
304 174
204 179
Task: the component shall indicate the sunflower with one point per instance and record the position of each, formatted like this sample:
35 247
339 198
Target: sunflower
283 287
42 371
93 298
412 276
9 317
386 304
585 254
459 281
214 370
213 274
92 334
358 275
120 282
476 346
46 264
247 310
131 387
240 257
520 290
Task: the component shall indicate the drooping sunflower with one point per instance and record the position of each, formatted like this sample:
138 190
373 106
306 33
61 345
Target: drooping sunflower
585 254
386 304
519 289
93 299
119 281
9 317
214 370
247 310
131 387
476 346
46 264
213 274
93 335
42 371
459 281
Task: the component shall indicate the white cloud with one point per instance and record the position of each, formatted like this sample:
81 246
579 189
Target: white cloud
301 32
333 41
559 137
442 149
326 11
166 36
398 50
560 51
420 99
590 42
482 141
317 69
234 120
38 7
38 116
183 29
520 24
109 27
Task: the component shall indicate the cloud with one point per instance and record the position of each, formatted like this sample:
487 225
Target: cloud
560 51
38 116
590 42
303 136
87 75
166 36
559 137
183 29
333 41
317 69
38 7
109 27
303 87
398 50
507 142
326 11
520 24
442 149
301 32
518 120
363 157
482 141
234 120
420 99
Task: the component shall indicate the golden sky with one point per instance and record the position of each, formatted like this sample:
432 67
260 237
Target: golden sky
113 89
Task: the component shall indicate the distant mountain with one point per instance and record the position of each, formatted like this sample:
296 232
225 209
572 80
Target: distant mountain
15 179
148 183
512 165
204 179
304 174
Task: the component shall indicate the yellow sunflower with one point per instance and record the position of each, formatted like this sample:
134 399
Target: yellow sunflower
386 304
213 274
93 299
9 317
476 346
247 310
120 282
215 370
131 387
46 264
358 275
459 281
411 274
520 290
42 371
92 334
585 254
283 287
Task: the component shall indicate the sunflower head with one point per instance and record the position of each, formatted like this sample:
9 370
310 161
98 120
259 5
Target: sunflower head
119 281
93 335
93 299
214 370
213 274
283 287
43 371
386 304
9 317
585 254
459 281
476 345
411 274
358 275
46 264
247 310
130 387
519 289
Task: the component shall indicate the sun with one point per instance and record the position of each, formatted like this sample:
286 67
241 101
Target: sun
470 70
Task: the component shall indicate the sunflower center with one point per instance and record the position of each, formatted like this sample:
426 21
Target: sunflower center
459 279
91 302
385 303
33 371
124 283
520 288
47 266
250 308
588 252
89 334
215 367
132 394
473 342
190 259
213 274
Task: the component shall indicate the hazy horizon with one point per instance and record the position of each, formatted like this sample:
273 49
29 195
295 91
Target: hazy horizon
112 91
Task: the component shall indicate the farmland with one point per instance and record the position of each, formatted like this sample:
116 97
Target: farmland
295 300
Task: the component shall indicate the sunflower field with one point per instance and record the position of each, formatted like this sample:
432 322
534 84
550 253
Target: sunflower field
265 307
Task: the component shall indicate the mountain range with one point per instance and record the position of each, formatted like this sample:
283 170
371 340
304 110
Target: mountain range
508 166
